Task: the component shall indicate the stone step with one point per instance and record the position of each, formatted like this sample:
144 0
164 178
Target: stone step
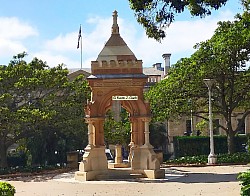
120 174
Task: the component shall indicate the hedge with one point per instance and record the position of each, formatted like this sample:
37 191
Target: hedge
17 159
200 145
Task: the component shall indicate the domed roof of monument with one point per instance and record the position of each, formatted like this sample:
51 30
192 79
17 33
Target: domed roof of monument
115 48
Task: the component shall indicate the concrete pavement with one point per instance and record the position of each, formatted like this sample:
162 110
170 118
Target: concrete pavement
179 181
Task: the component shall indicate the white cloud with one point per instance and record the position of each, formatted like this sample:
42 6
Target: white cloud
54 59
62 49
13 32
13 28
8 47
181 37
62 43
94 41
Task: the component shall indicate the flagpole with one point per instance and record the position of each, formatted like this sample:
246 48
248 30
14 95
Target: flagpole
78 42
81 50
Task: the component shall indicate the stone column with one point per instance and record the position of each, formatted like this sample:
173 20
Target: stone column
99 132
118 153
90 135
134 130
146 133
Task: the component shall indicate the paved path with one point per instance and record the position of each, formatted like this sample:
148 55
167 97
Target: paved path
179 181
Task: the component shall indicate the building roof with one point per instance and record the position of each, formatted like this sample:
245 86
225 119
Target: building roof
88 70
73 73
115 48
152 71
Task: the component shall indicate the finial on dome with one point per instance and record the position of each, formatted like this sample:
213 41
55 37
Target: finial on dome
115 27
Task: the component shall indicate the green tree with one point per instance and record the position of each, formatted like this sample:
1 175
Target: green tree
222 58
66 131
156 15
32 95
117 132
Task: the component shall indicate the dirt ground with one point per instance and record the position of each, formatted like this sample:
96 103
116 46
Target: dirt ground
179 181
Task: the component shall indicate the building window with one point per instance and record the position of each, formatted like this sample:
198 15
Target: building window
216 130
242 128
153 79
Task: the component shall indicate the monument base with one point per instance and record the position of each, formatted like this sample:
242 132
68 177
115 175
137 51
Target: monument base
155 174
122 173
118 165
89 175
144 158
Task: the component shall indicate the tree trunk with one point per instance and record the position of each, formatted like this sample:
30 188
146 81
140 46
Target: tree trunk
3 155
230 142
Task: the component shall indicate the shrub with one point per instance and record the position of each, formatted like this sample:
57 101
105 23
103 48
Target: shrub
17 159
236 158
239 158
7 189
200 145
244 177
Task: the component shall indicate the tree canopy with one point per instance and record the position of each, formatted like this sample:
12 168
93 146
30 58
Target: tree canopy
156 15
117 132
34 98
223 58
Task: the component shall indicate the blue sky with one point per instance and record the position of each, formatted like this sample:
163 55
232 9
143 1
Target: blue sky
48 30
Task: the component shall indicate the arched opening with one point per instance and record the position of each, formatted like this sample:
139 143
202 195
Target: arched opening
124 114
117 136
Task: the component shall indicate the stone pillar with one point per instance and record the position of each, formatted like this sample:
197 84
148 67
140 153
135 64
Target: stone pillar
131 133
134 131
90 134
118 154
94 161
98 136
101 132
146 133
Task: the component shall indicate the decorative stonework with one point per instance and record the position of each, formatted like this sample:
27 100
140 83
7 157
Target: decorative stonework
120 83
116 67
99 93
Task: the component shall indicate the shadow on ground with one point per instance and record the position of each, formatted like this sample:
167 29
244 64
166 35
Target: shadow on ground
31 178
34 177
188 178
206 178
171 175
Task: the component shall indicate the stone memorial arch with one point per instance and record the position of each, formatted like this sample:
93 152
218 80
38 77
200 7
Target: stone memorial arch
117 76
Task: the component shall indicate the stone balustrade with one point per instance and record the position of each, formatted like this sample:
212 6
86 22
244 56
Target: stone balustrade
116 67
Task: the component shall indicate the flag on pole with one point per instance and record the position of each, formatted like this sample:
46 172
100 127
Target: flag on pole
79 37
